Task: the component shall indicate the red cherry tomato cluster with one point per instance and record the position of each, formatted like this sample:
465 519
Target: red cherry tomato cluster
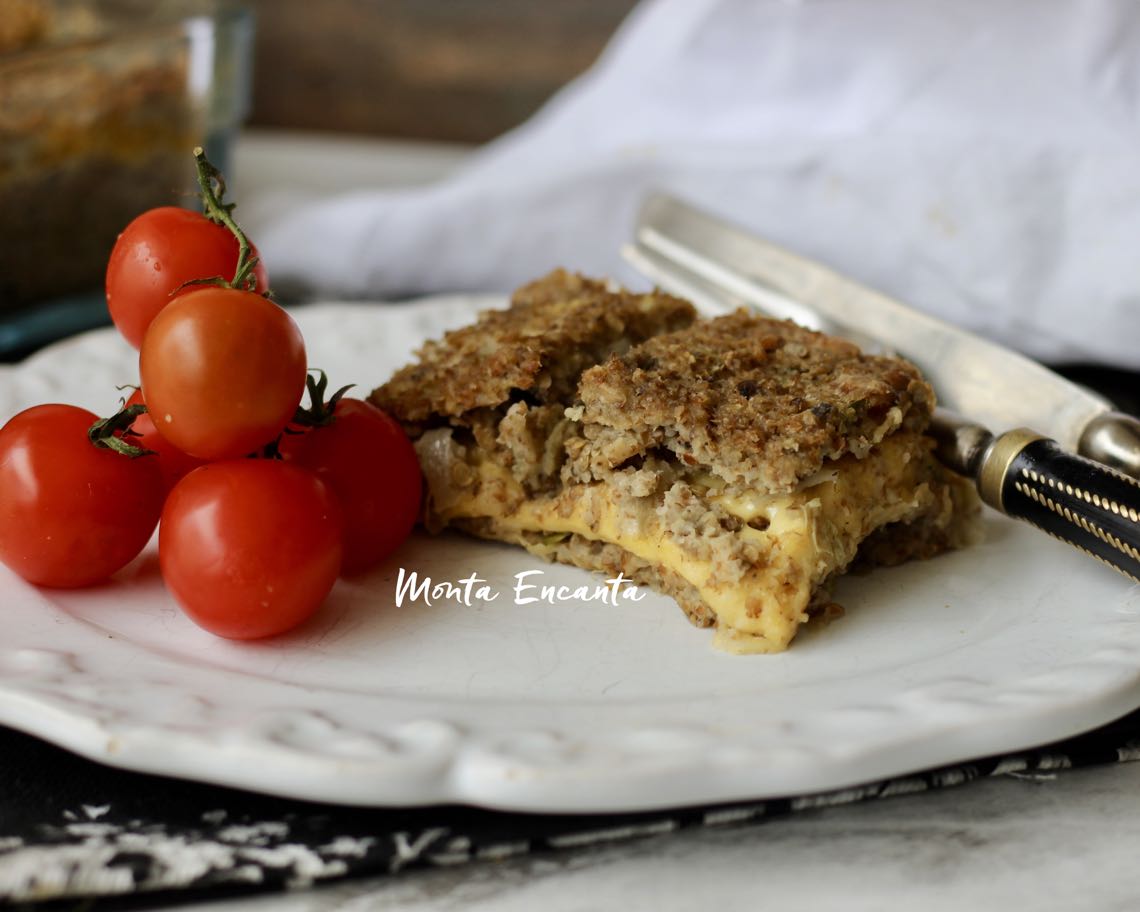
260 503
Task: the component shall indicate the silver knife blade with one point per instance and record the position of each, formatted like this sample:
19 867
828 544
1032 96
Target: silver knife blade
971 375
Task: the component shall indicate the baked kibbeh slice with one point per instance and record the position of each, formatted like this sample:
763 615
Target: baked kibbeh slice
737 464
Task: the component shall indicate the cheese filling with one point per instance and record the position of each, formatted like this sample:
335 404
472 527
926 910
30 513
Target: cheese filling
797 540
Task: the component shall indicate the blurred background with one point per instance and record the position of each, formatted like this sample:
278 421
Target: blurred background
102 100
452 70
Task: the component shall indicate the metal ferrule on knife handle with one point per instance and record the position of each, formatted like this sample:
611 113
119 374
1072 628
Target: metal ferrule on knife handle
1113 438
1095 508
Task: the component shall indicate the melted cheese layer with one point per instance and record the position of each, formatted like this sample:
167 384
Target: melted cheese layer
799 539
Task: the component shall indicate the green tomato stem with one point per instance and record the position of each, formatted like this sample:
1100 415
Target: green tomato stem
320 412
222 213
110 433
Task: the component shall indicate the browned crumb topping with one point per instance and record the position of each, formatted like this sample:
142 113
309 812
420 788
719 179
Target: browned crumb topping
757 401
534 351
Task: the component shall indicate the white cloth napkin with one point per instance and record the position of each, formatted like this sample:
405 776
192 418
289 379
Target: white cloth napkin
979 160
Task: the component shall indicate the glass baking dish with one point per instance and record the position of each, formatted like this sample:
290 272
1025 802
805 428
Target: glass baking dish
101 103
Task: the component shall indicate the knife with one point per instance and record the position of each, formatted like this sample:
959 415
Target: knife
1021 473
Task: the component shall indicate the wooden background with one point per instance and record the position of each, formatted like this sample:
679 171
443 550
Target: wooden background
459 70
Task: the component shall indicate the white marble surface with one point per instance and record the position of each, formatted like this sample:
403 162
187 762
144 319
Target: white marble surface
274 171
1060 842
267 161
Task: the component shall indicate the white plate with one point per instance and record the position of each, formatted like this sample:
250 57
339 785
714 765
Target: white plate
569 707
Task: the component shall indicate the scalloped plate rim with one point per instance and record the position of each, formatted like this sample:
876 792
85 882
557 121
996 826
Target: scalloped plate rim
412 758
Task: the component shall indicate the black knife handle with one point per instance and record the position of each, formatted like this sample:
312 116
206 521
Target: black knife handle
1082 502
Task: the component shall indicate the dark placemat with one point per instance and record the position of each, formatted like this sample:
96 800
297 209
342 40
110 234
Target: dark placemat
77 834
23 332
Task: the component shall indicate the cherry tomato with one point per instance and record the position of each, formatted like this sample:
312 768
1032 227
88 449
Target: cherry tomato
172 462
156 254
250 547
367 459
222 372
71 514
